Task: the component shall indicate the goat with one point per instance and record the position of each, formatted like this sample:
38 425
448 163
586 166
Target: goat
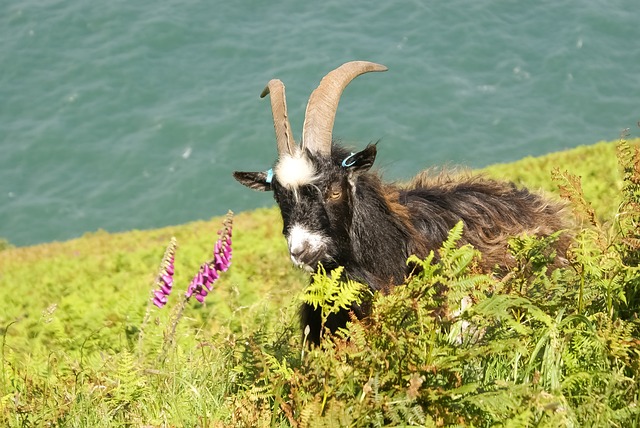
337 212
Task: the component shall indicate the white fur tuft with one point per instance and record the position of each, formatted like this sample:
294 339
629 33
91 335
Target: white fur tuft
294 171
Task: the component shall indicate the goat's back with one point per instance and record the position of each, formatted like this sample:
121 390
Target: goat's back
492 212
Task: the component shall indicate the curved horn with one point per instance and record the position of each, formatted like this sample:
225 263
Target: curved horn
284 139
323 103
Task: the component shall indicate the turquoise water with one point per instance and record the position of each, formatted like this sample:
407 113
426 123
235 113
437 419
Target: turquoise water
122 115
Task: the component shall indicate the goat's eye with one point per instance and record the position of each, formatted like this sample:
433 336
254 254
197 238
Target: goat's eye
335 193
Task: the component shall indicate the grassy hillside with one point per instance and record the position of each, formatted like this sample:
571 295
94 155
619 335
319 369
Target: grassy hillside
75 350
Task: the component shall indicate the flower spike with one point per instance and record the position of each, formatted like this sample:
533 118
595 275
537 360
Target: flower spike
164 280
209 272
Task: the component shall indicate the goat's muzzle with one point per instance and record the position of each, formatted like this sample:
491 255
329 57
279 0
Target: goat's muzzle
306 248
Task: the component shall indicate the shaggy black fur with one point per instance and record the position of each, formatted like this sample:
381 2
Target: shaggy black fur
373 227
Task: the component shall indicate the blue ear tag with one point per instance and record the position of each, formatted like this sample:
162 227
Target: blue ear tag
347 163
269 176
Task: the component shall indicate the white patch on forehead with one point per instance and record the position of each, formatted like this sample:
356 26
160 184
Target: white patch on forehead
293 171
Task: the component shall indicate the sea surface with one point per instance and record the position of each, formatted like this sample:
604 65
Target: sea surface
124 115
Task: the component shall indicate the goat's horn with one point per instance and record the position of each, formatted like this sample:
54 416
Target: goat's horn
284 139
323 103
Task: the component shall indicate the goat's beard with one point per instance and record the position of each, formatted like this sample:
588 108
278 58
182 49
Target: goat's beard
307 268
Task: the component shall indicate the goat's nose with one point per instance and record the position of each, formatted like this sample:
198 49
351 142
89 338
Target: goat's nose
305 256
298 252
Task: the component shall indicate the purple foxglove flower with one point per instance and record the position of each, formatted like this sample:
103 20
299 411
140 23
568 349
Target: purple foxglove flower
190 289
159 299
218 264
195 284
165 289
213 274
210 276
200 283
164 279
209 272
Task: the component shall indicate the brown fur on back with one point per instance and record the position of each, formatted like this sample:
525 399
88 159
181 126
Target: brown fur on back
492 211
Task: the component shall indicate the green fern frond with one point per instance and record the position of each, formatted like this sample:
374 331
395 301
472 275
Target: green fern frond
279 368
425 265
332 293
458 261
570 188
259 392
629 162
128 384
451 243
310 411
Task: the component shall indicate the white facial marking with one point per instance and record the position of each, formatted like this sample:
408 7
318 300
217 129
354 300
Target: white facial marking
302 241
293 171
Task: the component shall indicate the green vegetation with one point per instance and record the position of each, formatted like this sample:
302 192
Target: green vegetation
540 347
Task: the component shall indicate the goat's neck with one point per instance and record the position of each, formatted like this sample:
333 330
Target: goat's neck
380 234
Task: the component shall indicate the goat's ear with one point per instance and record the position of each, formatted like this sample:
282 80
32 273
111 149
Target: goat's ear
253 180
361 161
